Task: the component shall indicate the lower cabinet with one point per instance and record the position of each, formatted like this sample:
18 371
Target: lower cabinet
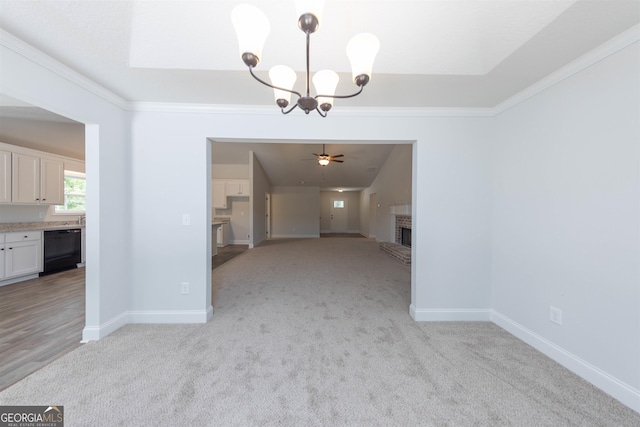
223 235
20 254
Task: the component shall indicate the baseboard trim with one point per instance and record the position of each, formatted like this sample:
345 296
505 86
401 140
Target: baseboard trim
450 314
19 279
605 382
95 333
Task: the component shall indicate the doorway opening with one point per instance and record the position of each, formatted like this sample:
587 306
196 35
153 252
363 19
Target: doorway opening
282 223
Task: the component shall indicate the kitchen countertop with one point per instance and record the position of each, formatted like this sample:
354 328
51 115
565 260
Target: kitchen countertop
8 227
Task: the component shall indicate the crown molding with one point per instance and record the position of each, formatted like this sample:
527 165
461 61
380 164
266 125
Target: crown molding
264 110
20 47
621 41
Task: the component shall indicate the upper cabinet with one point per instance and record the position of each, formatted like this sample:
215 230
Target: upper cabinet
51 181
238 188
29 178
219 197
223 188
37 180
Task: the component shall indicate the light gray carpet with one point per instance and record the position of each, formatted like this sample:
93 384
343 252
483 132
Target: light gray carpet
315 332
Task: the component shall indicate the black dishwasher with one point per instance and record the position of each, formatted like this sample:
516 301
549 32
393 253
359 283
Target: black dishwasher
62 250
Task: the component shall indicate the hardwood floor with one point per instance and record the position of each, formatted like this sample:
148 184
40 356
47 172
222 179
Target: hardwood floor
40 320
227 253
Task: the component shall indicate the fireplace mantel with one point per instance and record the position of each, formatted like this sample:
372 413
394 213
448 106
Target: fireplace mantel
401 208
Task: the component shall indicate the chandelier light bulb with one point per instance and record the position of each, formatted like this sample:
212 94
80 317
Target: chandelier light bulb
325 82
323 160
362 50
284 77
252 28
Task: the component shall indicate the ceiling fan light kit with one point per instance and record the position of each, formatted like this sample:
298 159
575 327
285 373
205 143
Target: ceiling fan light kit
324 158
252 28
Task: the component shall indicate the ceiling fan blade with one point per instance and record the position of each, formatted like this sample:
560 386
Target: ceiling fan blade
317 155
337 155
339 161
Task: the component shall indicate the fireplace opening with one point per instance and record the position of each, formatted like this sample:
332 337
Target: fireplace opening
406 236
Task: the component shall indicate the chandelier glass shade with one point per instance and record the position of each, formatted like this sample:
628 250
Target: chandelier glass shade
252 28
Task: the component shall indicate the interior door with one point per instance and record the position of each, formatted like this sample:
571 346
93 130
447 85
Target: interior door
339 214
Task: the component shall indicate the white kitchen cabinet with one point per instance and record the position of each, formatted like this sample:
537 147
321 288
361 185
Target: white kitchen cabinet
25 172
238 188
224 232
5 176
22 254
51 181
219 196
37 180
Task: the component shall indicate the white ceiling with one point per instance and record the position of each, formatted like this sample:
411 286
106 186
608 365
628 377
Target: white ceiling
433 54
293 164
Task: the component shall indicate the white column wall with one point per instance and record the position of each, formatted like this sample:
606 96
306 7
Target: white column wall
451 213
30 76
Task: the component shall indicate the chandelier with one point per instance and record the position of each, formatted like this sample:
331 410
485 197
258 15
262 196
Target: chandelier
252 28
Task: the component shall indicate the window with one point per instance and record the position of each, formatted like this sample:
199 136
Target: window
338 204
75 193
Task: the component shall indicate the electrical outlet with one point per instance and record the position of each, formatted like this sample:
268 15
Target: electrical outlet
184 288
555 315
186 219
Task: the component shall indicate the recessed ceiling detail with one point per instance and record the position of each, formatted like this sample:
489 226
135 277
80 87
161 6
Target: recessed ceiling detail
433 53
468 37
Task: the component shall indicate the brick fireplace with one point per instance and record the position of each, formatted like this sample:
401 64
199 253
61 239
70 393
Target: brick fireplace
403 222
398 248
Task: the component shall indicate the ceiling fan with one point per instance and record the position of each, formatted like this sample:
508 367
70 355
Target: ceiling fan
324 158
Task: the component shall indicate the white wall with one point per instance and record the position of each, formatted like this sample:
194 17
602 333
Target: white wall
229 171
451 217
565 222
295 212
29 76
